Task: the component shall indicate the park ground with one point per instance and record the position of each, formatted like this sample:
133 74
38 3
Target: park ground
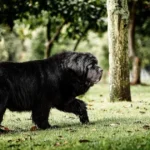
114 126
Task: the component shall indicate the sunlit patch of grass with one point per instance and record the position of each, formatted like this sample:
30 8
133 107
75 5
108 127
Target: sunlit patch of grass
120 125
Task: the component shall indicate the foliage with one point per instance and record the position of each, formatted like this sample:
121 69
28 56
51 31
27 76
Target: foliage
93 43
10 46
80 16
77 12
12 10
143 46
142 30
142 17
38 44
4 54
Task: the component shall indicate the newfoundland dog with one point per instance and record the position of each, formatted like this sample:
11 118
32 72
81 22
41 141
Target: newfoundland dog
55 82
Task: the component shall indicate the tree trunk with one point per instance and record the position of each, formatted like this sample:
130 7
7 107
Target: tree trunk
136 71
118 50
136 62
131 31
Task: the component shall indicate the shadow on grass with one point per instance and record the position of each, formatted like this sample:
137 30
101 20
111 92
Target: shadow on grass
141 84
106 122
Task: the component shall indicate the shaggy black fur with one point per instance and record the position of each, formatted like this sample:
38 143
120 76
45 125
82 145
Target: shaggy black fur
40 85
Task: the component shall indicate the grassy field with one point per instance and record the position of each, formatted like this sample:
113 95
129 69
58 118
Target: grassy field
114 126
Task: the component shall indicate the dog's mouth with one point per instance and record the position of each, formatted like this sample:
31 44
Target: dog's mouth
94 76
98 77
95 80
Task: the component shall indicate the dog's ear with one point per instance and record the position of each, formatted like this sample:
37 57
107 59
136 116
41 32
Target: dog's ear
75 64
76 69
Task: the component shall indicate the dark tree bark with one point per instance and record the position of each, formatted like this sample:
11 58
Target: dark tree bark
136 62
118 17
136 71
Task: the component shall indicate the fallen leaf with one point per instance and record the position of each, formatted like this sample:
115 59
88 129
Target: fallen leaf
101 137
138 121
4 129
33 128
104 109
18 119
89 108
60 136
57 144
142 112
65 142
90 104
106 125
71 130
84 141
9 141
19 140
94 129
146 127
91 100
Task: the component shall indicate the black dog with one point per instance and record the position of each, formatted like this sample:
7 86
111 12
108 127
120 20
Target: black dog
40 85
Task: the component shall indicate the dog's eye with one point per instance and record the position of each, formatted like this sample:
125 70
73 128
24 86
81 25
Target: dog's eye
90 66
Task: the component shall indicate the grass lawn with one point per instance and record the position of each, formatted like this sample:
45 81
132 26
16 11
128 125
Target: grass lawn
114 126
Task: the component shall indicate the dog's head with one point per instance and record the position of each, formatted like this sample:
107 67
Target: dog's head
79 71
84 67
93 71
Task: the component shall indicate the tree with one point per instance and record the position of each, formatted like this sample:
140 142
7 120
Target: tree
136 61
80 16
138 24
118 51
78 22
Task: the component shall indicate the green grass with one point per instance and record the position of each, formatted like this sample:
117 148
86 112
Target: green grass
114 126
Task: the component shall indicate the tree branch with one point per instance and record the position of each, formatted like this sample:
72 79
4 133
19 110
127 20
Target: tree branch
79 40
51 41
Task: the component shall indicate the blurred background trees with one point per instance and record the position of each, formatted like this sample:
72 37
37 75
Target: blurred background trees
34 29
138 32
